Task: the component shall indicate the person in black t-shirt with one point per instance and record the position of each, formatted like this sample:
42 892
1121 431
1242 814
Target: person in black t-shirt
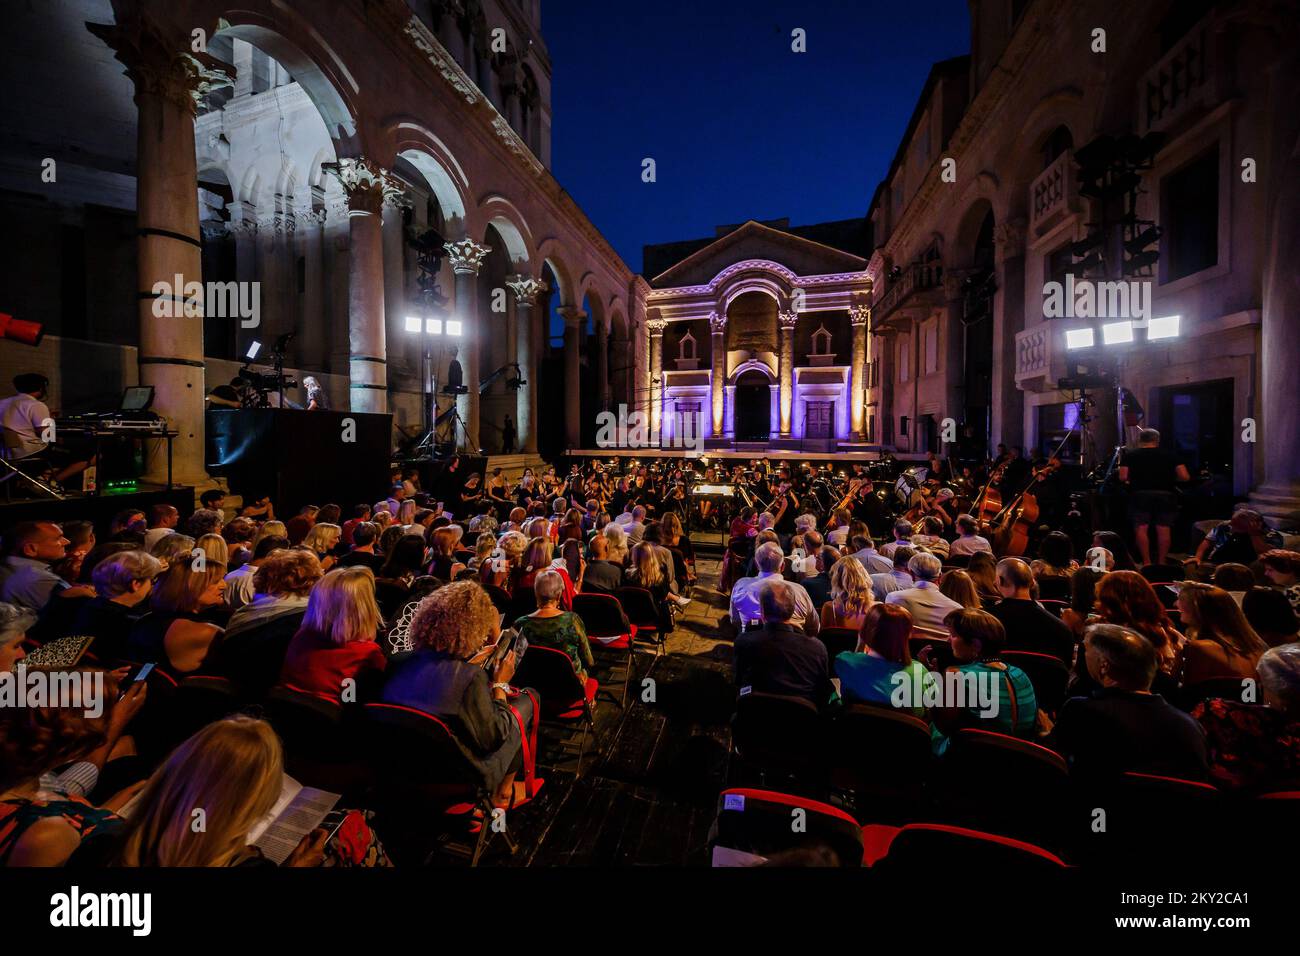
1151 475
1029 626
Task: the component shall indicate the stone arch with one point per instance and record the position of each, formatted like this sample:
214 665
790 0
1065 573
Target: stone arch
431 157
498 211
556 257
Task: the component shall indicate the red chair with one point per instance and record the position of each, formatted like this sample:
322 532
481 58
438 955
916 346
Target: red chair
643 612
1146 816
419 766
920 845
761 823
1046 672
780 735
608 629
319 747
565 698
200 700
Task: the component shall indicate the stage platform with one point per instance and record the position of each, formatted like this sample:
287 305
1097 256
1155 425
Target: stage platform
744 452
97 508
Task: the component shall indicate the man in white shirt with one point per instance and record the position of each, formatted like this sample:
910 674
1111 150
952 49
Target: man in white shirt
927 605
896 578
872 560
746 594
25 417
636 527
968 541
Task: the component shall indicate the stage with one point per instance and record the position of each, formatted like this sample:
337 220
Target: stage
97 508
746 452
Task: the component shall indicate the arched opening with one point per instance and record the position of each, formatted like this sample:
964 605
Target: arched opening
498 342
753 403
217 253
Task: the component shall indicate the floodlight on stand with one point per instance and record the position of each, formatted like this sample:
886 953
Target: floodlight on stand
253 349
1165 327
433 326
1084 338
413 324
453 327
1117 333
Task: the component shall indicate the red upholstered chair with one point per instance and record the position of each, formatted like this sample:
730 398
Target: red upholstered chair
642 610
565 698
608 629
761 823
1047 673
419 767
883 756
1152 816
779 736
920 845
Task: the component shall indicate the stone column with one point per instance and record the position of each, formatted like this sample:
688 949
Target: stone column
169 81
315 323
786 368
952 342
1007 416
465 257
336 259
600 344
656 328
286 284
526 290
860 320
395 305
718 344
365 184
573 319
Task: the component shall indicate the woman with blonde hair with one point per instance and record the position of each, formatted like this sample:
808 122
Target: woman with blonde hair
443 543
618 546
268 529
1220 641
338 637
958 586
851 596
322 539
455 630
174 632
173 548
214 548
983 572
484 545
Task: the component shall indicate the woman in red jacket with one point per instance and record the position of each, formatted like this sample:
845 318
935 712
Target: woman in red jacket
336 644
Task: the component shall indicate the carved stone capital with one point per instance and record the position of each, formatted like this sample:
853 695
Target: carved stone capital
1009 238
859 315
788 320
159 65
365 184
717 323
526 289
466 256
656 326
572 315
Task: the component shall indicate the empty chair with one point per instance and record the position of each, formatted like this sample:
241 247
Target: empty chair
500 600
1150 816
777 735
752 824
1046 672
883 756
608 629
919 845
1225 688
1006 785
565 697
644 613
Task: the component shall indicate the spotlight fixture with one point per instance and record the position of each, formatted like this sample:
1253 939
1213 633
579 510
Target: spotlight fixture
20 330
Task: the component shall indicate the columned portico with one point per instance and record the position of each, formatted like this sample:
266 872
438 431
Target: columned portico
465 257
656 328
526 290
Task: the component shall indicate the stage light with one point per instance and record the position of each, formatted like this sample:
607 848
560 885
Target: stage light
413 324
453 327
253 349
20 330
433 326
1117 333
1083 338
1165 327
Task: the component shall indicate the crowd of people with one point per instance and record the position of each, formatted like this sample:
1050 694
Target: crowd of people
1192 670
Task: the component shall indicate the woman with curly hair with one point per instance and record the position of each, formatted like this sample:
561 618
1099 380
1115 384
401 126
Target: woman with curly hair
1220 641
851 596
1127 599
455 630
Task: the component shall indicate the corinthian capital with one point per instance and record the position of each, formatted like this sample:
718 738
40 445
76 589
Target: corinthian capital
525 288
788 320
656 326
466 255
717 322
859 315
365 184
161 65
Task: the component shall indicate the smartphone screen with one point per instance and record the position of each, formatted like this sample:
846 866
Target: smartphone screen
143 673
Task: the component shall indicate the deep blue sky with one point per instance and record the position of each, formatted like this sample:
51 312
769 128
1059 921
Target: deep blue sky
739 125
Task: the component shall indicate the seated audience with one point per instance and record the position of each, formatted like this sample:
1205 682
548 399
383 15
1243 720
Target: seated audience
956 585
14 624
867 674
322 540
239 582
1242 539
1282 569
983 572
602 576
552 626
365 535
779 657
1220 642
174 631
1271 615
818 585
851 596
26 578
969 541
455 630
746 604
123 584
1123 726
337 641
1028 625
897 579
924 601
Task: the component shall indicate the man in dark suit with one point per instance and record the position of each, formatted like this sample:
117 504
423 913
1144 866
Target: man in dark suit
779 658
1029 626
601 575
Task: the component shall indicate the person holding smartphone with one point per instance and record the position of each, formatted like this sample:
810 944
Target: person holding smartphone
455 631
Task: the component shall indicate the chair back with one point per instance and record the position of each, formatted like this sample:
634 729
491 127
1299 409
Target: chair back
883 755
306 722
919 844
500 599
602 615
777 732
640 607
1046 672
1225 688
550 672
411 748
758 822
838 640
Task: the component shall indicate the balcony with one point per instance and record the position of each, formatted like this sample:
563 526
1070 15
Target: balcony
1185 79
920 284
1040 360
1053 195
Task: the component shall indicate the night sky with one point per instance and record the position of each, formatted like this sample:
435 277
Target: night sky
740 126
